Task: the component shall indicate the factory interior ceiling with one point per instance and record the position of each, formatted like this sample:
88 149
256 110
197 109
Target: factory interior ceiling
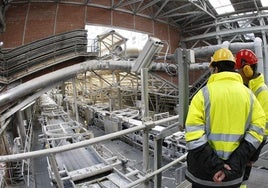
201 22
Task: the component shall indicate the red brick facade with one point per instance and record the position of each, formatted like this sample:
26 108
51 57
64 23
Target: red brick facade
33 21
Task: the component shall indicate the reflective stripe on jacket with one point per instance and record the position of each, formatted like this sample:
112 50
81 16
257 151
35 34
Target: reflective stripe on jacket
260 89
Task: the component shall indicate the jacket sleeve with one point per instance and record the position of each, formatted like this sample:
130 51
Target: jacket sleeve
240 157
203 162
255 131
256 154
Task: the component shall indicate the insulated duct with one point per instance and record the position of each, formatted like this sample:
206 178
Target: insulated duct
258 52
59 76
207 51
66 73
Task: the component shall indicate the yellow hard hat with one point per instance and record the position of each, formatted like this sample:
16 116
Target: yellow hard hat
222 54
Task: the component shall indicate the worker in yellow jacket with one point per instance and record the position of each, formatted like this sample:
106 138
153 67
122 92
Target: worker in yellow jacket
224 127
246 64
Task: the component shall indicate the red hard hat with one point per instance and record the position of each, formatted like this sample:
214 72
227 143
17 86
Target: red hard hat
247 56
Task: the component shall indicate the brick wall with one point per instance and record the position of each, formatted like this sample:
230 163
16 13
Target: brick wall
27 22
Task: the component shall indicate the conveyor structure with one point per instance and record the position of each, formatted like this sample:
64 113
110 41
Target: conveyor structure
79 165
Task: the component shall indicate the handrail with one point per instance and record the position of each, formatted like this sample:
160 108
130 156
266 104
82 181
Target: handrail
45 152
151 174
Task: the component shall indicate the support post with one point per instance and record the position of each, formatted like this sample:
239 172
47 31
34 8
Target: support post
183 66
56 171
75 100
21 128
145 117
158 161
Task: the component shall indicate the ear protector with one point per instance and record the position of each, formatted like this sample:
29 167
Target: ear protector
247 70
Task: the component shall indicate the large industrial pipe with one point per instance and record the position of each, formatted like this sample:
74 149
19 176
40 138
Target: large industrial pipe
258 52
67 73
207 51
58 76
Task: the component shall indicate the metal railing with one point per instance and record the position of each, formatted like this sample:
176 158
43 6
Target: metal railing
145 125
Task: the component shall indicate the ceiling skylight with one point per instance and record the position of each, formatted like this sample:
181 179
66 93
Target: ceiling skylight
222 6
264 3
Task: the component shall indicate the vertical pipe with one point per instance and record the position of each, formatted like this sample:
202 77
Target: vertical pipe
55 170
265 52
111 102
158 162
258 52
28 113
21 128
144 91
265 62
145 117
75 100
145 154
85 85
119 90
218 37
183 76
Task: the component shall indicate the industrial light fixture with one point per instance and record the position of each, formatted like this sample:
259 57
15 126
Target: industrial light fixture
144 60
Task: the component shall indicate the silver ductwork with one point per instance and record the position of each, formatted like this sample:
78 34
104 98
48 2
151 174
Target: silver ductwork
66 73
59 76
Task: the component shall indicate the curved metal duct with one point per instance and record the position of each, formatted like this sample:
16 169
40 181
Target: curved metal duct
208 51
59 76
66 73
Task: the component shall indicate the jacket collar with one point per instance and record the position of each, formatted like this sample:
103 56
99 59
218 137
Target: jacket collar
255 83
225 76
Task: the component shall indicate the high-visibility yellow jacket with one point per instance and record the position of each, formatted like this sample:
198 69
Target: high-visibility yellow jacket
225 124
260 89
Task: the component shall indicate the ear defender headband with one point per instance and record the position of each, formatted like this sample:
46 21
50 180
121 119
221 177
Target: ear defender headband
247 69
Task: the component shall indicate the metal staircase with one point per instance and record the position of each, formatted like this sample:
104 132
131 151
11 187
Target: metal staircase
16 174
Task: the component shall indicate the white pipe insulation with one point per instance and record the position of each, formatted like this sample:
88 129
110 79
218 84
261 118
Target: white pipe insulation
66 73
258 52
256 46
207 51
